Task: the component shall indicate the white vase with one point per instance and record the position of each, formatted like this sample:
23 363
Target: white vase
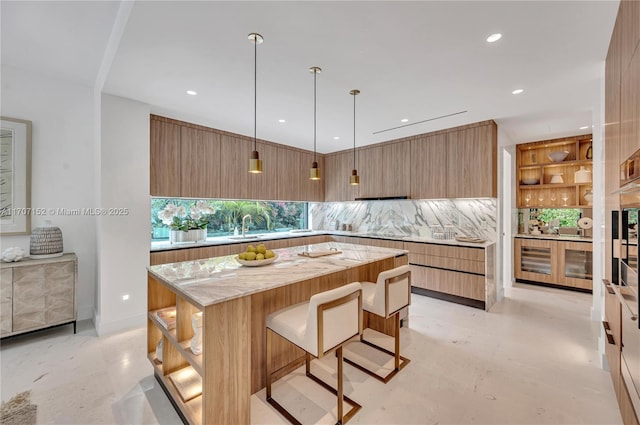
193 235
582 175
588 196
196 341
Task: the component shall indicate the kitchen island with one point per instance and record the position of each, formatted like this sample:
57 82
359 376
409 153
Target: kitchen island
235 301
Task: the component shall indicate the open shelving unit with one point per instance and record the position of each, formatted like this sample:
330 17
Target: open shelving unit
176 351
533 164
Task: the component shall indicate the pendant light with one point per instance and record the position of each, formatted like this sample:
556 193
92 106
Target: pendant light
314 173
354 179
255 163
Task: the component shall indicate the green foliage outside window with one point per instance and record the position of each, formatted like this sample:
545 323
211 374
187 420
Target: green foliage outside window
567 217
227 216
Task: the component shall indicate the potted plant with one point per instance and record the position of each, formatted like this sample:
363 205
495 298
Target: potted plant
186 226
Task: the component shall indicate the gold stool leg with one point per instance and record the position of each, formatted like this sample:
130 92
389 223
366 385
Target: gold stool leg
340 385
269 337
397 342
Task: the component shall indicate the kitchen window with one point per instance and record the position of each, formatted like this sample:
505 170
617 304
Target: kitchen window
266 216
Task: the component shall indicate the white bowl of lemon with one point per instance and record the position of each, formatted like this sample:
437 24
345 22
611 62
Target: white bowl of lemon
256 256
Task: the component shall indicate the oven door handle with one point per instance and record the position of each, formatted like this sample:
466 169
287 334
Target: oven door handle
616 290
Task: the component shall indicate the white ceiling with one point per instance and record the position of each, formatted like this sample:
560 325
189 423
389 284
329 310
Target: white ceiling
415 60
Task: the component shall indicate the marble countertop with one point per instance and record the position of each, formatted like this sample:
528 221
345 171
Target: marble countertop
166 246
556 237
219 279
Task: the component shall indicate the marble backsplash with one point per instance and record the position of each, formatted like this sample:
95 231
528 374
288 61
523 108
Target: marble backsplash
402 218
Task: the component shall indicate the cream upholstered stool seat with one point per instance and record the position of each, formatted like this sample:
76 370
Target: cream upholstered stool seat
324 323
386 298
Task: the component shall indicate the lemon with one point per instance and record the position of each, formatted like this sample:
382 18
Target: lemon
261 248
251 248
250 256
260 256
242 255
269 254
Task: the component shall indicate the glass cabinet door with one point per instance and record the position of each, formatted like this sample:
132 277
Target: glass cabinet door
578 264
535 260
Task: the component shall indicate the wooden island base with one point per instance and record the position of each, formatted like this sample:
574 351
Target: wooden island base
232 365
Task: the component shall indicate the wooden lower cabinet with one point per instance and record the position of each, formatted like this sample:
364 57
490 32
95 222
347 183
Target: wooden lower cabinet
629 416
448 282
554 262
37 294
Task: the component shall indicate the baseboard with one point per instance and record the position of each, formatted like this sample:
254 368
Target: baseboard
119 325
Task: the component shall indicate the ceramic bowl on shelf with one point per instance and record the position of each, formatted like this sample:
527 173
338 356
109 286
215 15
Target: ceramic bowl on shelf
530 181
257 263
557 178
558 156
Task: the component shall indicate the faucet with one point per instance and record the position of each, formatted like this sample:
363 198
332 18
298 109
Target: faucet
244 228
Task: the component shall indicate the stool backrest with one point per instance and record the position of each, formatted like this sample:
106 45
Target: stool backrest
393 290
334 317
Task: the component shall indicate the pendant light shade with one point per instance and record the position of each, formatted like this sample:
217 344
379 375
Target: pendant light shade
255 163
314 173
354 179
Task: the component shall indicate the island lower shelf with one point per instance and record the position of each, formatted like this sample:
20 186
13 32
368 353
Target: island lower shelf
232 364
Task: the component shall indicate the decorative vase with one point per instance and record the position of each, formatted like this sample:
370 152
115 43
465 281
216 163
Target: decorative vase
192 235
588 196
46 241
589 154
196 341
582 175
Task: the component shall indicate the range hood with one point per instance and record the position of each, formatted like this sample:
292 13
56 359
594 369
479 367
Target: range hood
382 198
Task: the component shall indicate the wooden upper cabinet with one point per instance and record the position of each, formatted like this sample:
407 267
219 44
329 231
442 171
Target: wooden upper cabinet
338 168
385 170
472 162
629 23
234 166
293 176
630 109
164 159
288 180
263 186
428 158
612 112
200 163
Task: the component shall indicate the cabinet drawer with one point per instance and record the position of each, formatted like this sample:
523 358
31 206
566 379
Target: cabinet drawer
474 254
458 264
449 282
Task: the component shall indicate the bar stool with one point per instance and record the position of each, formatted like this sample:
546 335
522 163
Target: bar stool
326 322
386 298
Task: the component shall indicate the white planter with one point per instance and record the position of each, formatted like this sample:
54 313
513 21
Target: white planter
193 235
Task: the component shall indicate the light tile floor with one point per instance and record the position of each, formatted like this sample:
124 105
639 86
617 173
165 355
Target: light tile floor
532 360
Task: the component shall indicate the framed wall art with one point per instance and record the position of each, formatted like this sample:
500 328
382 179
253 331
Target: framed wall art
15 176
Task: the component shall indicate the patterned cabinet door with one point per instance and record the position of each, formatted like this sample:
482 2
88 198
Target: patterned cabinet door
6 303
28 298
59 292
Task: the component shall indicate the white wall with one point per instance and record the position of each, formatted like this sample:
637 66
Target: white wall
62 163
123 240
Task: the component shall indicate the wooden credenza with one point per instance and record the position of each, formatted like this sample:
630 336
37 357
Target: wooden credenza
38 294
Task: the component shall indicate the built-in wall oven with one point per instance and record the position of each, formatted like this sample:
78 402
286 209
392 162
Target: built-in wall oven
628 294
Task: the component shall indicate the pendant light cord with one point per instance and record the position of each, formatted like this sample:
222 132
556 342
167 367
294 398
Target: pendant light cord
255 90
315 75
354 131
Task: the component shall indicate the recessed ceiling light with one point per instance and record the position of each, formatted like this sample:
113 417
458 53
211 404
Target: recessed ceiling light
517 91
282 121
584 127
336 137
191 92
404 120
494 37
